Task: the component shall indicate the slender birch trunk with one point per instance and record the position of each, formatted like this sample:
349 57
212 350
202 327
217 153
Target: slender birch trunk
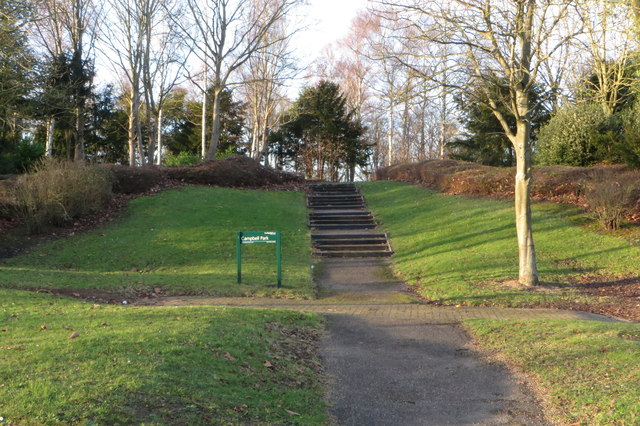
131 133
78 154
159 137
51 127
203 139
390 133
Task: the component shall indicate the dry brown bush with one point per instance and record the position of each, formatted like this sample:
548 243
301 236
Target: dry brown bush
610 196
58 191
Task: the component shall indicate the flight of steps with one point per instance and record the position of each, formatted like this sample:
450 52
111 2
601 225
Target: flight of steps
341 225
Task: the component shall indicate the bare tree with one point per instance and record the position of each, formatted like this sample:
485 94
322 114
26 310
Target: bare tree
608 44
125 38
264 76
507 38
225 34
163 61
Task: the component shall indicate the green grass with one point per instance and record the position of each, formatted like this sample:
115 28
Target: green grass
182 241
161 365
589 371
454 250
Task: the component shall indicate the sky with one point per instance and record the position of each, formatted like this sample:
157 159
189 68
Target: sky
324 22
327 21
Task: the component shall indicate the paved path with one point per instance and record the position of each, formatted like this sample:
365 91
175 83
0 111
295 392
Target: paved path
366 288
392 360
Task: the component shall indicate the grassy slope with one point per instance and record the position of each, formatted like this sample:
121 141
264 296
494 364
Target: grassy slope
181 241
186 365
589 371
454 249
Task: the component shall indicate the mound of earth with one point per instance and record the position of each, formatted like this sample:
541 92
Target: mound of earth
562 184
237 171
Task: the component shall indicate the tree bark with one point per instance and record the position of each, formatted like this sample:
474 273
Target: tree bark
78 154
51 127
131 133
203 140
528 272
159 137
390 132
216 130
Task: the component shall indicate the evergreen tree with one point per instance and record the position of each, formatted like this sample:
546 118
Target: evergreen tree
321 137
16 81
485 141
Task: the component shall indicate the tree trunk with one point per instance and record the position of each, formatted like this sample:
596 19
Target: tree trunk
138 128
390 132
159 137
78 154
51 127
528 272
151 146
67 138
131 134
215 131
203 151
264 146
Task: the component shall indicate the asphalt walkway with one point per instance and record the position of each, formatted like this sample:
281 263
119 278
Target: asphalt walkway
392 360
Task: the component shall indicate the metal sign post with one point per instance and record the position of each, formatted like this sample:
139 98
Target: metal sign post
259 237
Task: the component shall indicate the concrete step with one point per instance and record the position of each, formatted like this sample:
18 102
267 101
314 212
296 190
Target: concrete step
345 226
320 219
332 186
339 217
339 207
315 198
349 241
334 193
343 213
351 247
354 253
350 236
342 225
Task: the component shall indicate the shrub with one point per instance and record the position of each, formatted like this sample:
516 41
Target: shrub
58 191
21 157
609 199
578 135
629 145
182 159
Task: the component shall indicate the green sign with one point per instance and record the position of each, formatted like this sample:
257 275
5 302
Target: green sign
259 237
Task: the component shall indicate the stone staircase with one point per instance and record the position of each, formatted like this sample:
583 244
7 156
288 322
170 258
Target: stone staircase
341 226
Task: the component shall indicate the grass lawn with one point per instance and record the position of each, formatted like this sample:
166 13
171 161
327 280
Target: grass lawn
455 250
589 372
161 365
181 241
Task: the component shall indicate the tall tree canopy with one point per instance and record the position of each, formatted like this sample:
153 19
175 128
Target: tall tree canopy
321 137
